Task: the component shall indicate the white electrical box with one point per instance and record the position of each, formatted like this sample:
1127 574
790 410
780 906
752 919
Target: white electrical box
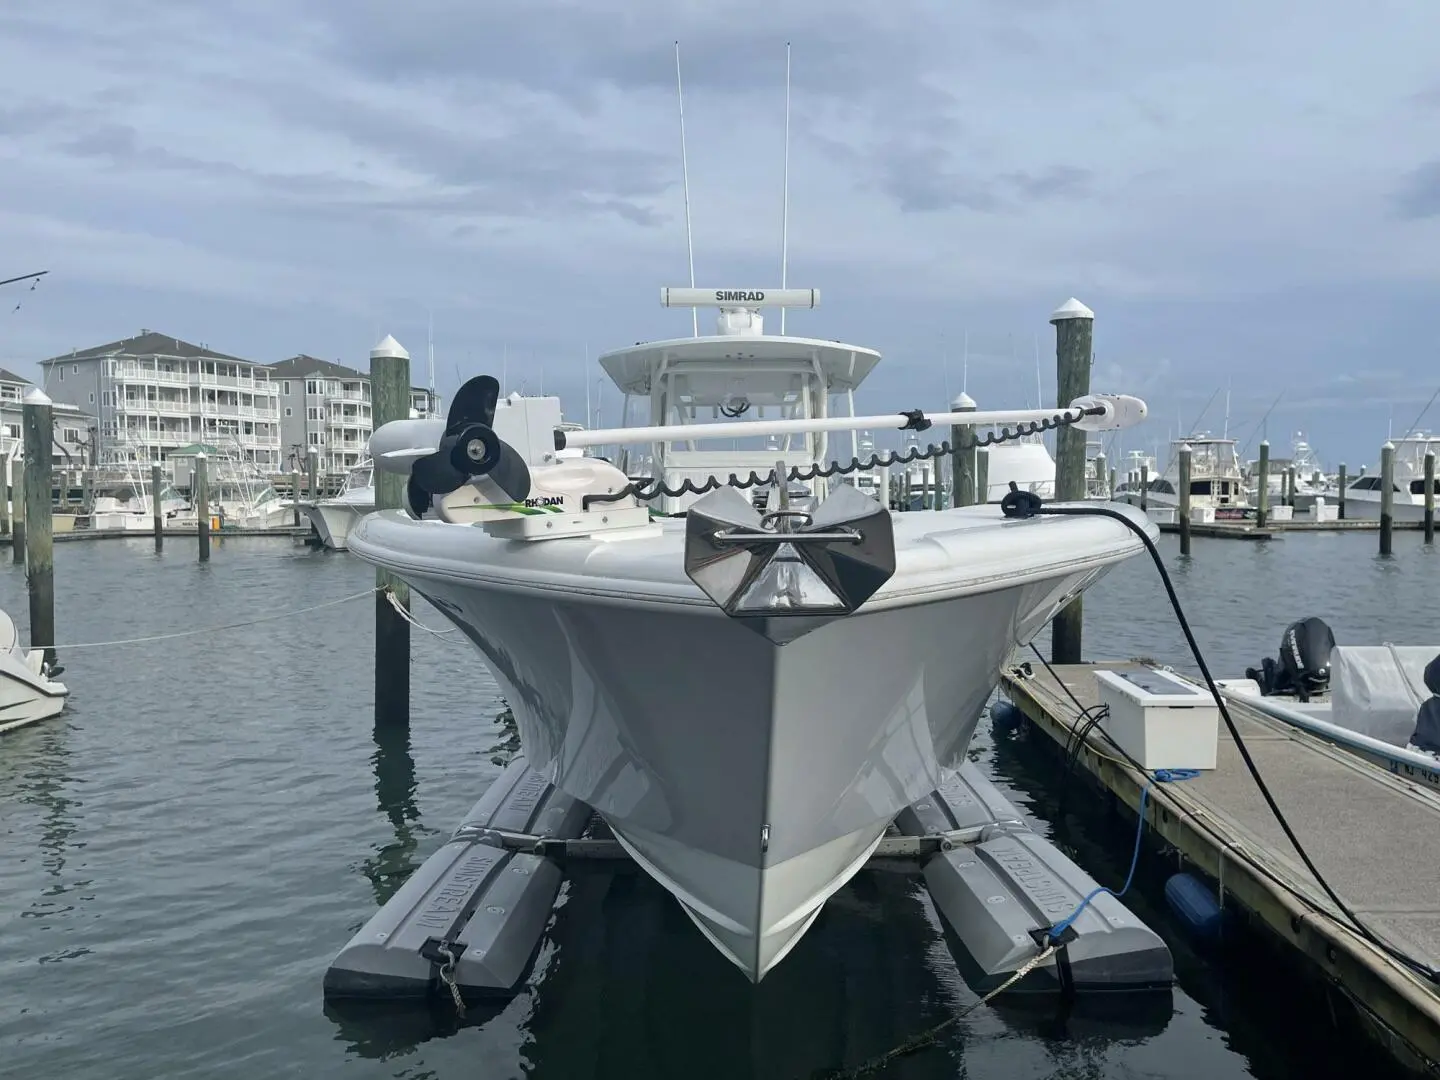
1160 720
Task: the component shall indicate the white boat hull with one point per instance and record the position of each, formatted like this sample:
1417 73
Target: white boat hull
1360 508
333 520
751 780
26 696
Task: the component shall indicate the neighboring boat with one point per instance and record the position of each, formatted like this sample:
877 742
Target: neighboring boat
747 701
333 518
27 690
1311 480
122 496
1362 496
1025 462
1216 481
1139 469
1364 699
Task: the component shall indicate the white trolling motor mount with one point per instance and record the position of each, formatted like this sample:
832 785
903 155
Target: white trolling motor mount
498 462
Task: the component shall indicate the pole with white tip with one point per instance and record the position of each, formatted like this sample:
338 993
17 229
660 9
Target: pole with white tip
200 492
1074 353
390 401
38 421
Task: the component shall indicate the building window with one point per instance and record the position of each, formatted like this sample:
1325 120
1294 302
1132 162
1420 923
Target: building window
92 402
289 411
70 435
62 373
74 369
285 387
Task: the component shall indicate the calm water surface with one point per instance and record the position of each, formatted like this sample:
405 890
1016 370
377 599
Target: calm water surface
184 851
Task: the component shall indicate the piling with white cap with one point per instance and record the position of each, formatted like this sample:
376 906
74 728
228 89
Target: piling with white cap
37 419
1074 352
1387 498
200 497
962 450
390 400
1262 488
1185 458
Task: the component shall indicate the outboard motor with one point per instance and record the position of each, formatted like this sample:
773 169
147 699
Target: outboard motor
1304 665
1426 738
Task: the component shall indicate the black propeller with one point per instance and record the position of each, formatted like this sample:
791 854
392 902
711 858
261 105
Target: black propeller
469 448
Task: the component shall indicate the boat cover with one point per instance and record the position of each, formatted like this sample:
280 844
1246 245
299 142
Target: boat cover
1378 689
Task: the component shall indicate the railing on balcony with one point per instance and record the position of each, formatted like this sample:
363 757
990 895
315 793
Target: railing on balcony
139 373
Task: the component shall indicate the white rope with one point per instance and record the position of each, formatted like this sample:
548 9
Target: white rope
211 629
405 614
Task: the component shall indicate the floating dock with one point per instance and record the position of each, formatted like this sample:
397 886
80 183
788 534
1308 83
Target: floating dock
470 919
1224 530
1373 835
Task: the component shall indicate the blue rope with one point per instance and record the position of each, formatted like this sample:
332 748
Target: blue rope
1161 776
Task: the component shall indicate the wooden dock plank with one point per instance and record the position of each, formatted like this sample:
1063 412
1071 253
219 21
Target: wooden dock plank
1372 835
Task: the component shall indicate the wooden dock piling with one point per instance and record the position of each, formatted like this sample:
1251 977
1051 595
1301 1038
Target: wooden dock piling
157 514
1429 496
1290 486
37 420
1262 488
1387 498
295 497
390 400
200 497
962 453
5 497
1144 485
1074 353
982 475
17 513
1340 500
1184 513
312 476
1101 475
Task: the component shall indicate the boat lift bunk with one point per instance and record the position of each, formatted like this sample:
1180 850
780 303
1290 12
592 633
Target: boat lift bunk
473 914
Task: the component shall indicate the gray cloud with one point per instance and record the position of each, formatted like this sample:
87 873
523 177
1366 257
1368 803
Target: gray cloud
1419 194
279 174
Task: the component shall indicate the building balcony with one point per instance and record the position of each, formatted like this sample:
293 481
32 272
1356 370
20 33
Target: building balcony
135 373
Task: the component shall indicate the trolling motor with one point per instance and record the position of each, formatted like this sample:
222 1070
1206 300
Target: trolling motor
469 448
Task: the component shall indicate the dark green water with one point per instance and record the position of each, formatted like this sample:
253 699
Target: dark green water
183 852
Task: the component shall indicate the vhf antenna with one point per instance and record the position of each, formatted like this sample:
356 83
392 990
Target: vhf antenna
685 176
785 203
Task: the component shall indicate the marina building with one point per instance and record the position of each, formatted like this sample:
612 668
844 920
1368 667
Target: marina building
326 405
153 393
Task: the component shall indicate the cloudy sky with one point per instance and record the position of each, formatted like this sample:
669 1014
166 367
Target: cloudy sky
1247 194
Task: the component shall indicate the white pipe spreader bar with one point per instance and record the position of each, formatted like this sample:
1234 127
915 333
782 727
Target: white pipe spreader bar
1093 412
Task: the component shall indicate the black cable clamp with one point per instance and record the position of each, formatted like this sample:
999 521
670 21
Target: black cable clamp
914 420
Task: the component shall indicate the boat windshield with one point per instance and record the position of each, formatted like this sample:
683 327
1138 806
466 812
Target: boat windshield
358 478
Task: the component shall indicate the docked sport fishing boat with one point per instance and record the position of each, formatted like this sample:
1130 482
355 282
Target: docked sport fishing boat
333 518
748 699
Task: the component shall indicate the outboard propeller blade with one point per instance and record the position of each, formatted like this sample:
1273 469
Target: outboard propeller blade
469 448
